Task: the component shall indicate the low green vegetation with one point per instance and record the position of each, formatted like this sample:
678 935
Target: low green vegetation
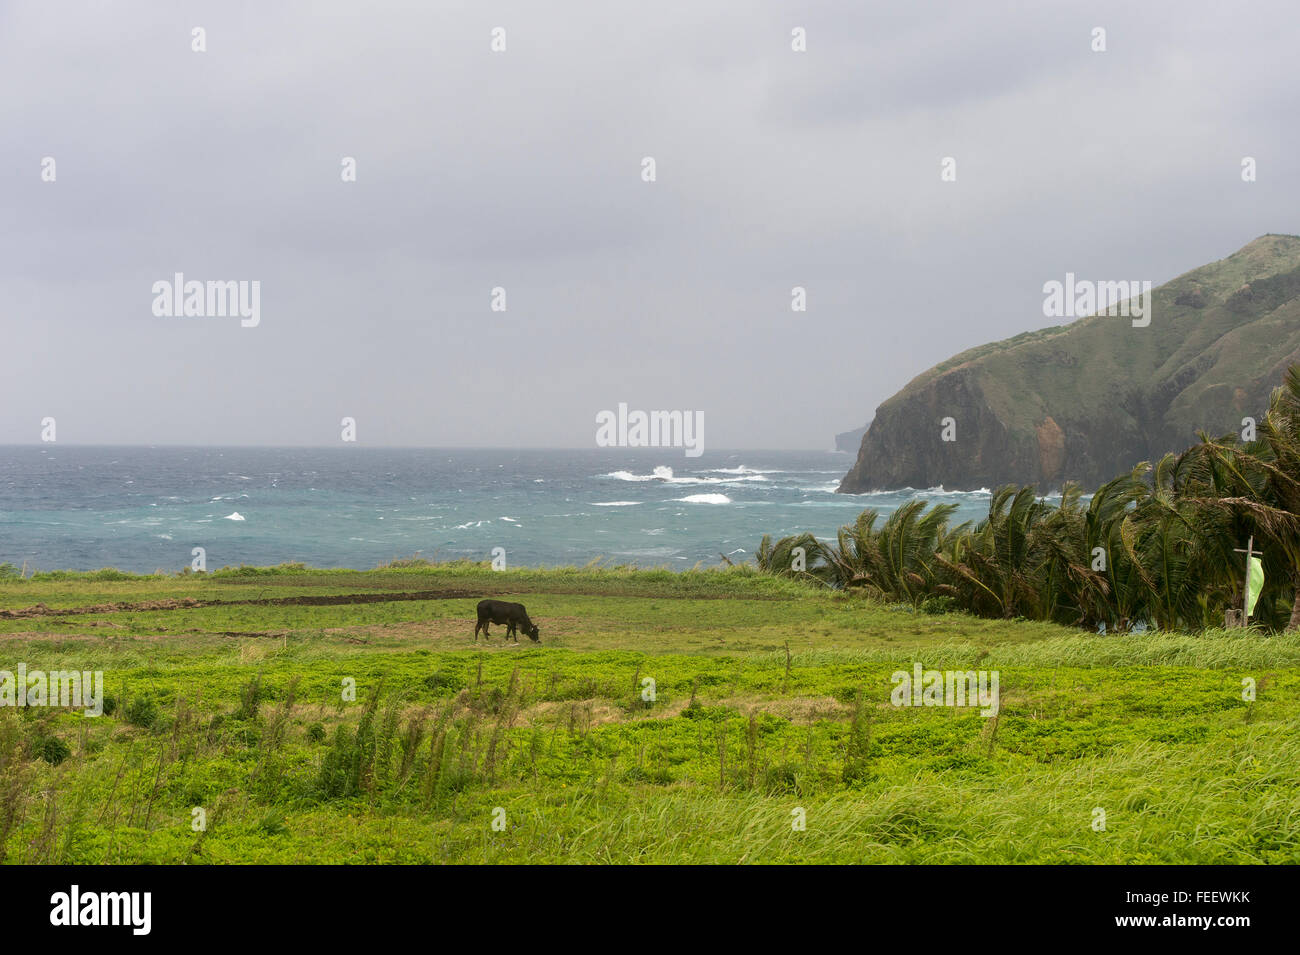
296 715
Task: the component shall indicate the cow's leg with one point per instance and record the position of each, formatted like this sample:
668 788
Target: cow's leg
477 627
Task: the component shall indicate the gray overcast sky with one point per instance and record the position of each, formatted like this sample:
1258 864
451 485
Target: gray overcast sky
522 169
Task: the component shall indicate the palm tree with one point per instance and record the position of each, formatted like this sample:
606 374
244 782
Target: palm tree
1070 590
1258 483
898 561
1120 600
854 559
1175 558
995 568
781 558
908 544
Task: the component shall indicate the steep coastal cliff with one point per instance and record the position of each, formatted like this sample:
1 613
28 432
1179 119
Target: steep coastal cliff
1087 400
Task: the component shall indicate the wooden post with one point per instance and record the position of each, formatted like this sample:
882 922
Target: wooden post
1245 585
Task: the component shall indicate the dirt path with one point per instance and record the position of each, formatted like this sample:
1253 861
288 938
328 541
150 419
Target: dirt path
332 600
189 603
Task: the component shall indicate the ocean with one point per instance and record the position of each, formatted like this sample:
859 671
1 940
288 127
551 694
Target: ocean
141 509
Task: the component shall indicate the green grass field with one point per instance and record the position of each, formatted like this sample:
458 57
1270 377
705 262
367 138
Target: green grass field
771 707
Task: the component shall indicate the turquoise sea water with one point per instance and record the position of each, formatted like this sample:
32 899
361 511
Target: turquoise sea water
139 509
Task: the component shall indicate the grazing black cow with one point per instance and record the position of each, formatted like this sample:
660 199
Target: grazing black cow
499 611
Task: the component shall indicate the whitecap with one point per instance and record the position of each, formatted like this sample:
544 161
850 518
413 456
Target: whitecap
665 474
661 473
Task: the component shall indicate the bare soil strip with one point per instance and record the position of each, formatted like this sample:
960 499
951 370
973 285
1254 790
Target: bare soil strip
189 603
329 600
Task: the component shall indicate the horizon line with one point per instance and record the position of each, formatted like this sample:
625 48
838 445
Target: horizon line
343 446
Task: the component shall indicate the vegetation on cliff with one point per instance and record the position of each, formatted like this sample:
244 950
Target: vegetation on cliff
1080 402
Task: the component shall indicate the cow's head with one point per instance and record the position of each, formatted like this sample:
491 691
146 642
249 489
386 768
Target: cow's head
533 633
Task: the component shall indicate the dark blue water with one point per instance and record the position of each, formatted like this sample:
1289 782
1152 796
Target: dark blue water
140 509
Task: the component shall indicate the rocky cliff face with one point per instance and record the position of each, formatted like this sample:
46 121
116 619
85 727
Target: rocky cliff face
1088 400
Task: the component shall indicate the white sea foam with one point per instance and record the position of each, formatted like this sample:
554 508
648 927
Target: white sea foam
236 516
931 492
650 552
938 491
704 499
614 503
661 473
666 475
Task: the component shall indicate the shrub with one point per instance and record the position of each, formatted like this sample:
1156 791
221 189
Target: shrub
250 697
442 681
939 605
51 749
272 824
142 712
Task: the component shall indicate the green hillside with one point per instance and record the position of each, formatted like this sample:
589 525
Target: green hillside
1086 400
